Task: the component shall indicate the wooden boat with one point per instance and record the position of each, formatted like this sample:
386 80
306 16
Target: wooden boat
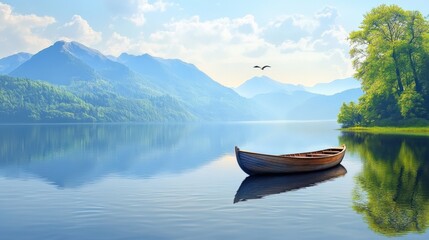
258 163
259 186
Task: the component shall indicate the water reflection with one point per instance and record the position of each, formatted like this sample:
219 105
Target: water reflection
72 155
392 191
255 187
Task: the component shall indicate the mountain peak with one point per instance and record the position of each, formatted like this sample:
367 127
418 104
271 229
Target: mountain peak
57 64
10 63
128 56
263 84
335 86
79 50
261 78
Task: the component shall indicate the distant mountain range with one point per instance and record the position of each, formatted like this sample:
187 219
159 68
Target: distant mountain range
278 101
66 63
264 84
9 64
201 95
148 88
334 87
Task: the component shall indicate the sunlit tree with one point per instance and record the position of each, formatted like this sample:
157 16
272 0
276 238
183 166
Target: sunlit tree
390 56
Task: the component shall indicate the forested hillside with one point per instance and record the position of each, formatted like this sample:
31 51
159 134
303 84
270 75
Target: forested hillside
24 100
69 82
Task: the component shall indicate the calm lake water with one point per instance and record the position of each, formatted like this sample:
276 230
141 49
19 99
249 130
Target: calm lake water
182 181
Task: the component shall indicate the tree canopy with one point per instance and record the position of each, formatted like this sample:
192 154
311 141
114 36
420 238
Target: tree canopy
24 100
390 53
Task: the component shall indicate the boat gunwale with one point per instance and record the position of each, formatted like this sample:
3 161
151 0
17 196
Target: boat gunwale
290 155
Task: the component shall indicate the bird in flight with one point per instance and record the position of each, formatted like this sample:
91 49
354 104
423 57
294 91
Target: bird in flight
262 68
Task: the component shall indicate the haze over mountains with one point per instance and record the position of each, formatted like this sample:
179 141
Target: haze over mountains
296 102
263 84
148 88
8 64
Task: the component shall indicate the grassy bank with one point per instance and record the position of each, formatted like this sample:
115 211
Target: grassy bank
423 130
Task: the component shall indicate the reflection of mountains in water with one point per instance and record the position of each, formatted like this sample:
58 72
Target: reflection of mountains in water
255 187
74 155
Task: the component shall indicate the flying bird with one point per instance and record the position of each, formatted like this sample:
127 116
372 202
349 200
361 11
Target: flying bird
262 68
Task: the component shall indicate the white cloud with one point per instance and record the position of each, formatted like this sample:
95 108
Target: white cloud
145 6
226 48
118 44
301 48
142 7
308 48
219 32
22 32
327 15
337 33
78 29
294 30
211 44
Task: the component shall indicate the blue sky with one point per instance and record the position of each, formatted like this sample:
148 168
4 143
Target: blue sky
304 41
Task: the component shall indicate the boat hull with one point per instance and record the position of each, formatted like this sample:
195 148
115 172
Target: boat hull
257 163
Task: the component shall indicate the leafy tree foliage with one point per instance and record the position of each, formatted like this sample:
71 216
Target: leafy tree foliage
24 100
349 115
390 53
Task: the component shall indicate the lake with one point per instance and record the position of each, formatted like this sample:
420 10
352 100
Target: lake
182 181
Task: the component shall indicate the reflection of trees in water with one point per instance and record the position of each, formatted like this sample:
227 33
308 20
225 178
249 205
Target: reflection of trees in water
73 155
29 143
392 191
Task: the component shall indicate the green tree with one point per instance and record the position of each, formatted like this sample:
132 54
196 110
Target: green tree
390 54
349 115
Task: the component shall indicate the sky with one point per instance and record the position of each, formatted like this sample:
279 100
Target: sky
305 41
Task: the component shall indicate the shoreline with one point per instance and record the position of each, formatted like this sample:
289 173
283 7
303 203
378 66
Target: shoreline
421 131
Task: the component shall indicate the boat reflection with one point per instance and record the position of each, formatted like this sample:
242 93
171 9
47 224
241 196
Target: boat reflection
255 187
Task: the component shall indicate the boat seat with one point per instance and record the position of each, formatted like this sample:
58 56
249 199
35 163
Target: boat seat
330 152
317 155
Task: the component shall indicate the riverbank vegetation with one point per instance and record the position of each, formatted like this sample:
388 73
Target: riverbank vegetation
390 53
421 131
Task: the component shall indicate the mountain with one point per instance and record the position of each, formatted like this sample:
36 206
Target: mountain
302 105
107 69
264 84
55 65
277 105
335 86
118 93
203 96
323 107
135 88
25 100
276 101
8 64
65 63
148 88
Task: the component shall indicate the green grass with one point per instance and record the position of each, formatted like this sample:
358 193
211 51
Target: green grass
421 130
412 126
